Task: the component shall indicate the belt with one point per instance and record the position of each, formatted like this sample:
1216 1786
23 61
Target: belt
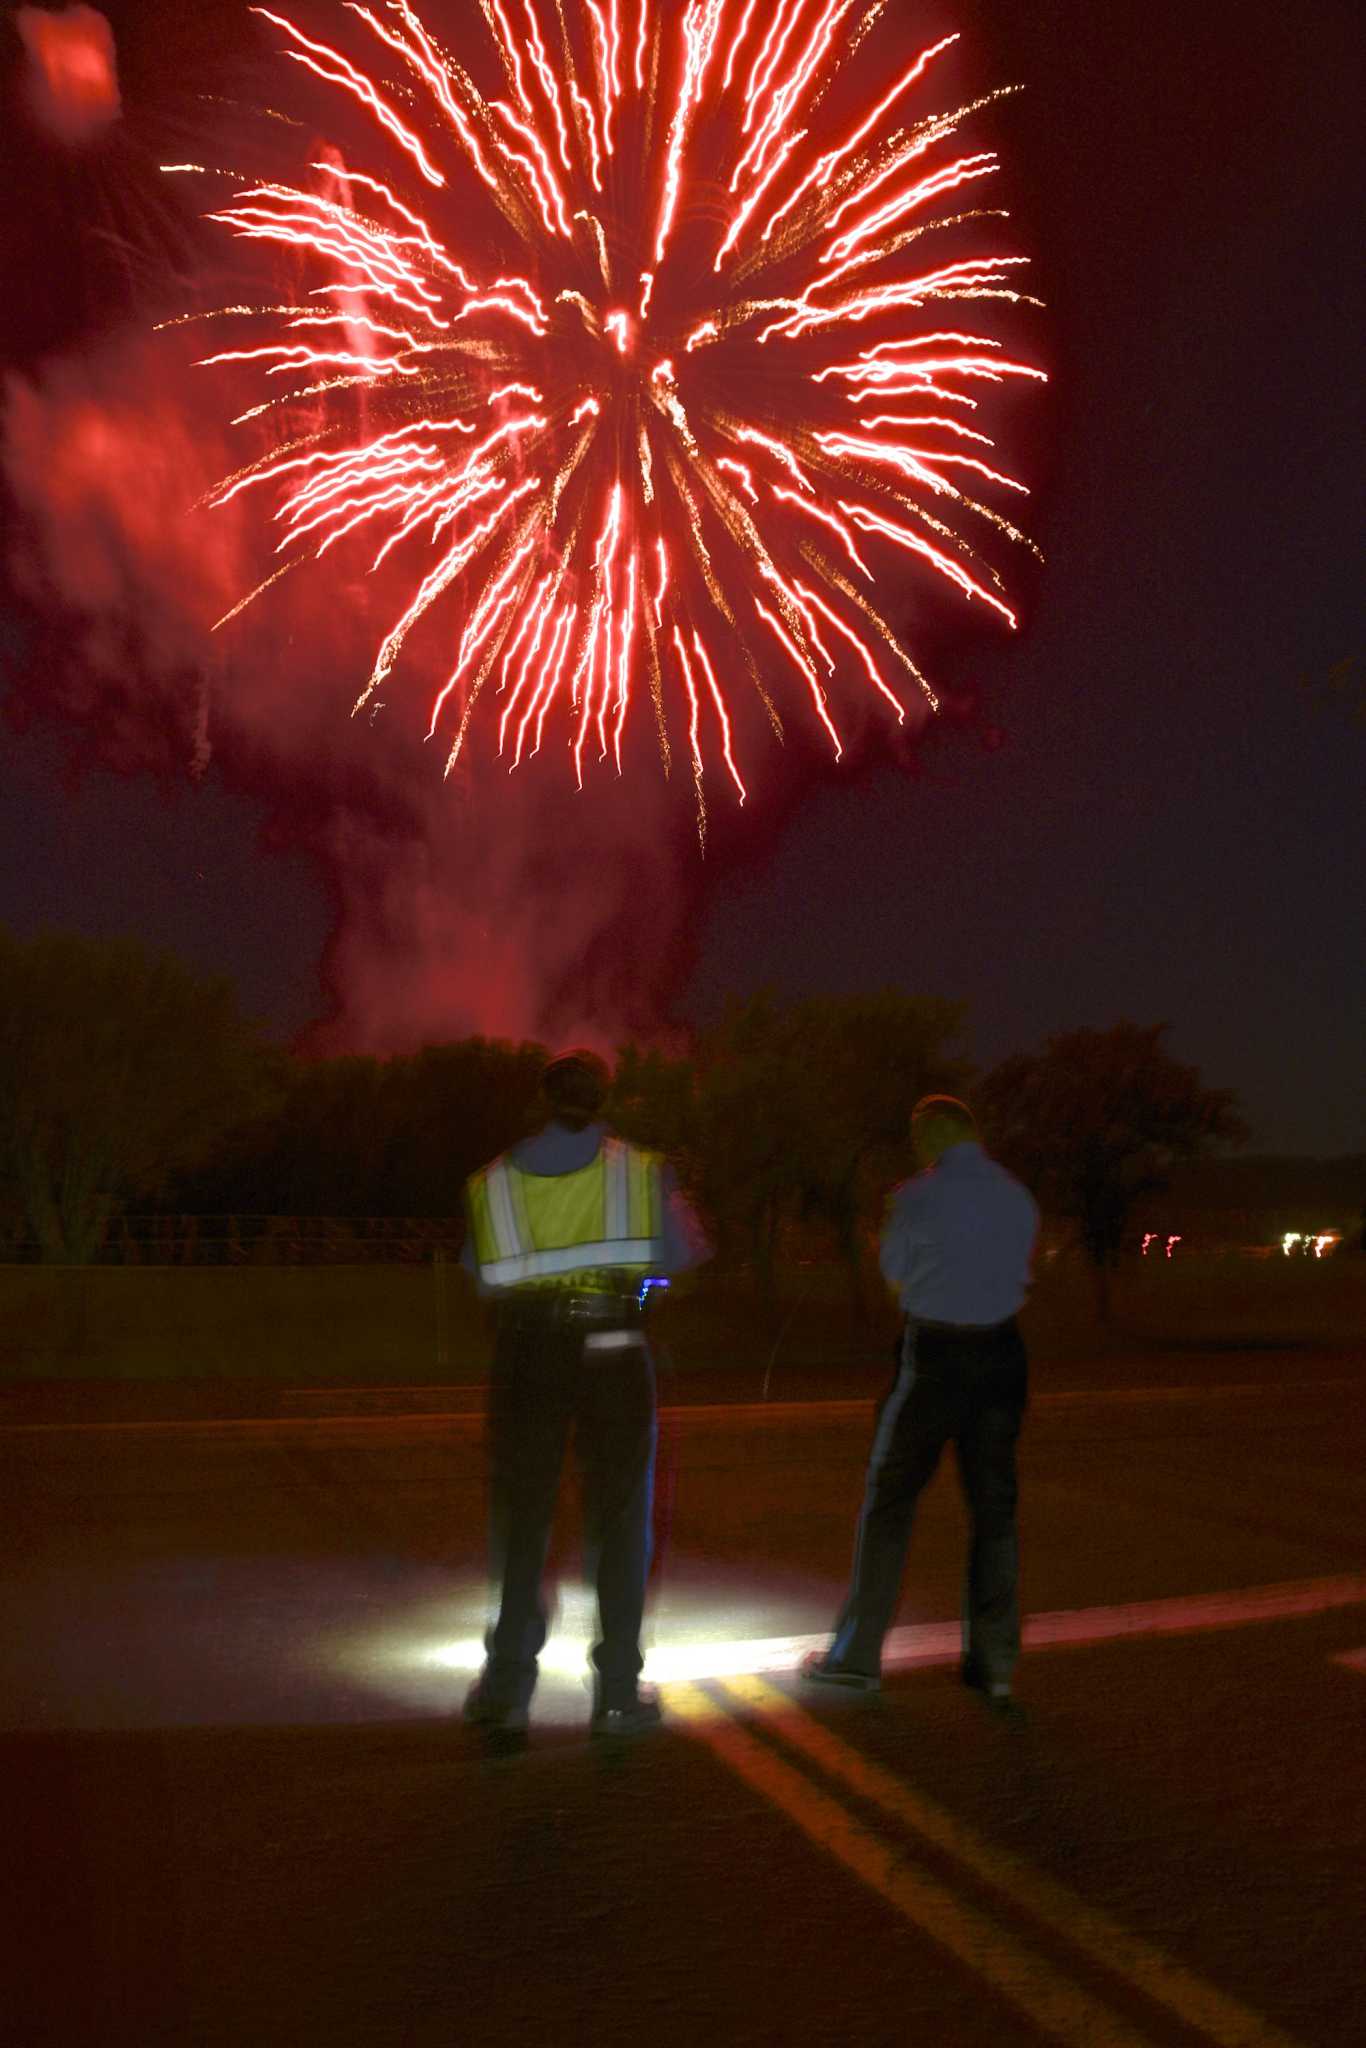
566 1305
960 1329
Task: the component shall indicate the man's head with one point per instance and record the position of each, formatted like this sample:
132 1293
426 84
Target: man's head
575 1086
938 1121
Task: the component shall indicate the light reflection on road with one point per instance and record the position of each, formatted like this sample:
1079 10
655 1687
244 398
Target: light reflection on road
206 1641
714 1627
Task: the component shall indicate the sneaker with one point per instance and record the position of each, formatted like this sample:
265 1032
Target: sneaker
977 1680
818 1669
631 1715
994 1692
491 1710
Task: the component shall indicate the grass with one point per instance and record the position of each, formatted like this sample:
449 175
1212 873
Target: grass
405 1325
1206 1302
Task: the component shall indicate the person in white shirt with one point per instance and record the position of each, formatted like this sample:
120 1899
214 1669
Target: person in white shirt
957 1246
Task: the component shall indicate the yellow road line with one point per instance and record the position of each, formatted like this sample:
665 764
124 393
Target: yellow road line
1060 2007
1089 1929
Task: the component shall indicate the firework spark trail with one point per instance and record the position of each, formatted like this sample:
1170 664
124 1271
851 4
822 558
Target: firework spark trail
664 362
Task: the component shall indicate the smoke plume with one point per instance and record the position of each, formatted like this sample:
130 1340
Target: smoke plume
484 903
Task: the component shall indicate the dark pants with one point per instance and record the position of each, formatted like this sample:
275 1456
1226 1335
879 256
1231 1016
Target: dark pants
545 1383
969 1387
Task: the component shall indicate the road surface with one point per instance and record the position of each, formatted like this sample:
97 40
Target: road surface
242 1810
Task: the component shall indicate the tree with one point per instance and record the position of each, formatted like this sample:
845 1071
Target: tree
654 1102
118 1068
1095 1121
356 1136
791 1112
316 1151
727 1114
449 1109
749 1129
867 1060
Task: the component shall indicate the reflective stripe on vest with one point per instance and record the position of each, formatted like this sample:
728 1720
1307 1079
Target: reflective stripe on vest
549 1229
509 1233
570 1260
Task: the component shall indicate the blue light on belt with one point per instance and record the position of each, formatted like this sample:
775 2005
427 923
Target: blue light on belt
646 1284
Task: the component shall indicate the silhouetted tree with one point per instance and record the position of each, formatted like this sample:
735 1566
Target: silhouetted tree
793 1110
867 1060
655 1102
449 1109
751 1120
356 1136
118 1068
1095 1121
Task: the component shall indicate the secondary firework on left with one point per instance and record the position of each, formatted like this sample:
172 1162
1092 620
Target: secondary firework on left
631 340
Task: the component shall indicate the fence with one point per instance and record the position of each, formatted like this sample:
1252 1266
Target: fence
242 1240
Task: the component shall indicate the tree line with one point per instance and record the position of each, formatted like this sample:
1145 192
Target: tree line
126 1077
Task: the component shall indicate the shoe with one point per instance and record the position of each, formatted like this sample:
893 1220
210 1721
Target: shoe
995 1693
817 1669
490 1710
635 1714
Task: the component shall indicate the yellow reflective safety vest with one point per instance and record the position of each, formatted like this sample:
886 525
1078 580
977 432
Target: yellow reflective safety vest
600 1226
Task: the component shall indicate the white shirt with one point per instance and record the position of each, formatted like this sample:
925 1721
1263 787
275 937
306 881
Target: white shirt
959 1239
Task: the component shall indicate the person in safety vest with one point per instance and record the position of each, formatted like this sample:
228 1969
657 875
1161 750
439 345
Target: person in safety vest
566 1233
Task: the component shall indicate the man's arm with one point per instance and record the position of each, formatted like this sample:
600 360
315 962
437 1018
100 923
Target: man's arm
684 1243
901 1236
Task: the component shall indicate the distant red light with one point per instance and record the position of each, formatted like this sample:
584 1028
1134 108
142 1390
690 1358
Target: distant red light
73 76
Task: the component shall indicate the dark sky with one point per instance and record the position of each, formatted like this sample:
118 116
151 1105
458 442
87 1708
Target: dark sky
1171 825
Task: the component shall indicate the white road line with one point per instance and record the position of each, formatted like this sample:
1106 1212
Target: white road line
940 1642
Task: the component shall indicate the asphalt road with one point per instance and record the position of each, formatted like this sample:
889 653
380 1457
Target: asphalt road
240 1809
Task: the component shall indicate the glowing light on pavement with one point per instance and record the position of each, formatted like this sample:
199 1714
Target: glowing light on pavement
705 1640
694 1638
554 249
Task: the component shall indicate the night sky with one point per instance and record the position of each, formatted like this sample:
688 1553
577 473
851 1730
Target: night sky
1148 804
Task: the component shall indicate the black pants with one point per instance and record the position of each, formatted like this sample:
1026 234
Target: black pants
545 1383
969 1387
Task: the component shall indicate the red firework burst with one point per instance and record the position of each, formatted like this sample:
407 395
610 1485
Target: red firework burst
703 399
